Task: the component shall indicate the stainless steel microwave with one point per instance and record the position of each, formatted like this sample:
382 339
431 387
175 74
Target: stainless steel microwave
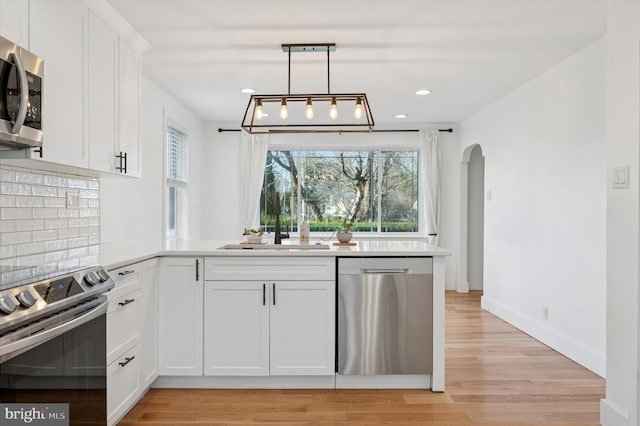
21 85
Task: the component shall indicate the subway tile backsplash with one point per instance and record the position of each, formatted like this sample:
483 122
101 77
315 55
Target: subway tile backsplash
40 232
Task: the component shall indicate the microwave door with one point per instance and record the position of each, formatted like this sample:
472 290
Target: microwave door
8 101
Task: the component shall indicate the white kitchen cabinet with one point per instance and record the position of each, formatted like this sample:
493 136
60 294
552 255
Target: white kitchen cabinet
103 94
236 327
129 109
14 21
149 345
123 384
294 306
64 53
302 325
180 316
124 314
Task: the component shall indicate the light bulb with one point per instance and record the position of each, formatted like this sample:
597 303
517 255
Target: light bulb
283 109
333 112
309 112
259 113
358 112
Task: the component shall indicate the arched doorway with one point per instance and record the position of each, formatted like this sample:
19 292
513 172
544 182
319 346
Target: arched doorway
471 263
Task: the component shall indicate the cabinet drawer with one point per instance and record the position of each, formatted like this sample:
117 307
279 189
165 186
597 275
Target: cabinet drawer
123 384
269 268
126 280
123 324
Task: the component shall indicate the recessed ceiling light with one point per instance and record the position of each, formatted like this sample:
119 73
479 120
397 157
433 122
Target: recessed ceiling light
401 116
248 90
423 92
264 114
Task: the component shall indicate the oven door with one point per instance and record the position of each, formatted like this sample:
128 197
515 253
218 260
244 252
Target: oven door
68 368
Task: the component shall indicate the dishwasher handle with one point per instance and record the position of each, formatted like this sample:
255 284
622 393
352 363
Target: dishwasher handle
384 271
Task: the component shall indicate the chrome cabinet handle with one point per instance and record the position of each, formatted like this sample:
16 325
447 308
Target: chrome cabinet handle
24 95
126 361
384 271
127 272
126 302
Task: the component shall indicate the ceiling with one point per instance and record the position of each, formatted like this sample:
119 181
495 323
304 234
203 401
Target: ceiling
468 53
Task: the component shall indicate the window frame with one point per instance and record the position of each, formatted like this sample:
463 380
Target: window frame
179 186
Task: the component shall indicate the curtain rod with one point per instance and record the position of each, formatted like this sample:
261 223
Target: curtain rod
375 131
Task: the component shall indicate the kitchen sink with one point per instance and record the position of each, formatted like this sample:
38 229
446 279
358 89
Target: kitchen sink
246 246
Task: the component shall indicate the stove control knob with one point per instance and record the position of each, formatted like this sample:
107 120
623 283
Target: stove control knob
92 278
26 298
103 275
8 304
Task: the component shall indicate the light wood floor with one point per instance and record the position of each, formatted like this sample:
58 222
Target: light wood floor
495 375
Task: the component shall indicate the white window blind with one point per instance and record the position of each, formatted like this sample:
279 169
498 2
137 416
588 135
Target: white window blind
177 155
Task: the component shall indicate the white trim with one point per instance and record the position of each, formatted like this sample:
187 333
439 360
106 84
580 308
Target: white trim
387 381
612 415
253 382
567 346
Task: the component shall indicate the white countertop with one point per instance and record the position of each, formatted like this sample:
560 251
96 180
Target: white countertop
113 255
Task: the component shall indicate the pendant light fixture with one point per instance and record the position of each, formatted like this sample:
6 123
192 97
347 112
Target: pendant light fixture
308 112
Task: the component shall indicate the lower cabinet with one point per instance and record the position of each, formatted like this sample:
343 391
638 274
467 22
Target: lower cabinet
132 330
123 384
180 316
282 325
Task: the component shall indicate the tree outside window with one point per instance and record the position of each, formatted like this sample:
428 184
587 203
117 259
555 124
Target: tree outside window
377 190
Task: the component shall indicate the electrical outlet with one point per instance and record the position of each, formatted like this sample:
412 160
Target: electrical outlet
73 200
545 312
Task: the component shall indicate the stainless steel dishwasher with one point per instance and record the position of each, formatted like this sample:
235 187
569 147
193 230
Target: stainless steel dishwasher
385 315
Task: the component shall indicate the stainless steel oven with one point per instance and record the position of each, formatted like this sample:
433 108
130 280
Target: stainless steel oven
21 89
53 344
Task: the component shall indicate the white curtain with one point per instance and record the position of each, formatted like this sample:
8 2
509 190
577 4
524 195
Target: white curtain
430 185
253 157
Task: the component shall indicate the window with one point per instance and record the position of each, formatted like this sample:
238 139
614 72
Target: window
177 162
378 190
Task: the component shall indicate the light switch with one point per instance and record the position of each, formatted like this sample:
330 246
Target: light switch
620 178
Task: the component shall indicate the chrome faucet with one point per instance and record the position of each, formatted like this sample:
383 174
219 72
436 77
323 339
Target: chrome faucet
279 236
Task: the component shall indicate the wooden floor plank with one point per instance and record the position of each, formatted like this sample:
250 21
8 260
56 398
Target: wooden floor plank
495 375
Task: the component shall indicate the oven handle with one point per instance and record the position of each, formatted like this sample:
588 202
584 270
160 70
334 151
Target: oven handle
36 339
24 96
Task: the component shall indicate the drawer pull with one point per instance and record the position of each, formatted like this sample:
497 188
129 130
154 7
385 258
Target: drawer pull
126 361
125 273
126 302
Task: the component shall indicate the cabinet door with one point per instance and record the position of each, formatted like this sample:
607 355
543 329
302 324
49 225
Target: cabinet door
14 21
180 316
129 108
236 330
123 384
64 100
103 95
149 347
303 328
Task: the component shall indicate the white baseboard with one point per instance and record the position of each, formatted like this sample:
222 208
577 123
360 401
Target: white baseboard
462 286
475 285
449 285
237 382
612 415
567 346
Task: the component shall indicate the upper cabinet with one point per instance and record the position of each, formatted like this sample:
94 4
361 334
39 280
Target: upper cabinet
64 103
92 85
103 95
14 21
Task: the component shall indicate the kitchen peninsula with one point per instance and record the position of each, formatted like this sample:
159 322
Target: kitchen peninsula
257 317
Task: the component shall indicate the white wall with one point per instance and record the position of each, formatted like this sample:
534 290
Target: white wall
620 407
222 151
132 208
545 227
